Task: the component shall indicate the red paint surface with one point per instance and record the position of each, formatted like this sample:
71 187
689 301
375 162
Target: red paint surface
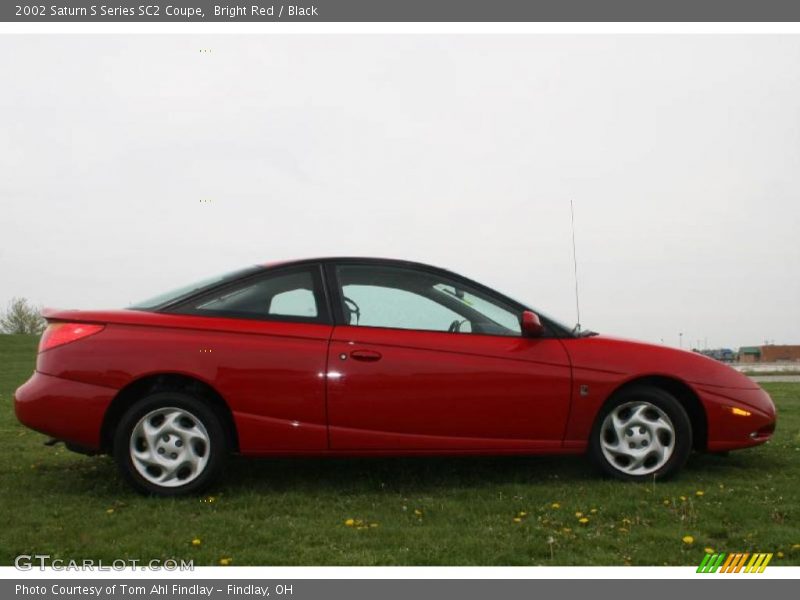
395 391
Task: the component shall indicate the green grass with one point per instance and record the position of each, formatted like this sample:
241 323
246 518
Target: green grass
757 373
428 511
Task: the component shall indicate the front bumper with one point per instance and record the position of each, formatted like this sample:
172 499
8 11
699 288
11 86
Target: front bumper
68 410
737 418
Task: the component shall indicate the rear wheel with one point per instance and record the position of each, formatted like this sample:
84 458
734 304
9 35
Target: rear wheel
169 444
642 433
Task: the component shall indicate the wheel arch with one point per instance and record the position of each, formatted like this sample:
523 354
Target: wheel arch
165 382
684 394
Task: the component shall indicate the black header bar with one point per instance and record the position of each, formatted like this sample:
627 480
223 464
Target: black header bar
405 11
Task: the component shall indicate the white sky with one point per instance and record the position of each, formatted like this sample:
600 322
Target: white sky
682 154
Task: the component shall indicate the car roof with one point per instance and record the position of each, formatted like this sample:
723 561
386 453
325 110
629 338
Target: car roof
359 259
393 262
398 262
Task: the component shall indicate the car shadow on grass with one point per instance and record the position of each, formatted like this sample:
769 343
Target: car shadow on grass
725 463
435 473
407 474
97 475
418 473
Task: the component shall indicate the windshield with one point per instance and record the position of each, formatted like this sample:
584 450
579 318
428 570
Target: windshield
562 325
188 290
495 315
502 317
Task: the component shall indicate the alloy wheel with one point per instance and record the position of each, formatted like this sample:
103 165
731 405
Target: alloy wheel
169 447
637 438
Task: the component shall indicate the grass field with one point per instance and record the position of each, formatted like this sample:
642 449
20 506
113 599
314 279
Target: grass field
504 511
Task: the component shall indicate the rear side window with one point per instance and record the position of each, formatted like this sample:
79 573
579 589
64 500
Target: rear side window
294 303
294 295
191 289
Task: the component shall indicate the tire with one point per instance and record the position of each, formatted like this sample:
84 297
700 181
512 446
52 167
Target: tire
170 444
642 433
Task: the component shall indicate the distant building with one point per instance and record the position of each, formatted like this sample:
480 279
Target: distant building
769 353
749 354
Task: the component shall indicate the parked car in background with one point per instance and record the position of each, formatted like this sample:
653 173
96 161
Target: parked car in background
721 354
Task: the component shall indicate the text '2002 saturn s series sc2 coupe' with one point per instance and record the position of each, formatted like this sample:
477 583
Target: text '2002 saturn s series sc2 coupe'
350 356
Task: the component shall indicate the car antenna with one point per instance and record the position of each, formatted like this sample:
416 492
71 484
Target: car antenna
575 266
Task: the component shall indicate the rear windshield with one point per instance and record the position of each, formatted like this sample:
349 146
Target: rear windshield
188 290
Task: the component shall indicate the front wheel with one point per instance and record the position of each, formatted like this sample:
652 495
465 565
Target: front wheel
169 444
642 433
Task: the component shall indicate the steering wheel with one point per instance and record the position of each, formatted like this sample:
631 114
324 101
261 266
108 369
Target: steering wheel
352 309
455 326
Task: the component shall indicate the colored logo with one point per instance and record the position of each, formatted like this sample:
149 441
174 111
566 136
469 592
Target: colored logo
735 562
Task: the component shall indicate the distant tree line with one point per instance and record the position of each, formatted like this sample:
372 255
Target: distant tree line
21 317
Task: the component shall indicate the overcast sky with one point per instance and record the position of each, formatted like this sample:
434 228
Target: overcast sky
681 153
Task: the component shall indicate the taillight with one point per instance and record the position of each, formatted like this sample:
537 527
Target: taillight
58 334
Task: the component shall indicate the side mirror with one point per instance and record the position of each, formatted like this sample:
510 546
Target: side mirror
531 325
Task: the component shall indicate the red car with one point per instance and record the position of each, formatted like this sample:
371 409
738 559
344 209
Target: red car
356 357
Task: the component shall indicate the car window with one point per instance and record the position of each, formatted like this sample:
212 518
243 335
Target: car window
297 303
292 294
494 312
380 306
192 288
406 298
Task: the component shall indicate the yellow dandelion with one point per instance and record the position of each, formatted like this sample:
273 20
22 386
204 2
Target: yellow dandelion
555 505
522 513
795 546
683 498
583 520
579 514
196 542
225 561
779 554
699 493
418 512
687 539
110 511
593 511
350 522
517 520
666 502
708 550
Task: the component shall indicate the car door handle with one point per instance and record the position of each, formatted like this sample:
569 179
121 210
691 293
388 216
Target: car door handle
366 355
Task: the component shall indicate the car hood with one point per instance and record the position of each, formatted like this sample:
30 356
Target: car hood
635 358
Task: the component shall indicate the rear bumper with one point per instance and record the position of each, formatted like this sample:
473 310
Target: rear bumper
68 410
753 422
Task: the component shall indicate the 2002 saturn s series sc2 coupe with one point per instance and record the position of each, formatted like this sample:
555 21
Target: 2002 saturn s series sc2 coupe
369 357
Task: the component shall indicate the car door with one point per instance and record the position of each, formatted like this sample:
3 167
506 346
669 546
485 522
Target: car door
263 343
422 361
